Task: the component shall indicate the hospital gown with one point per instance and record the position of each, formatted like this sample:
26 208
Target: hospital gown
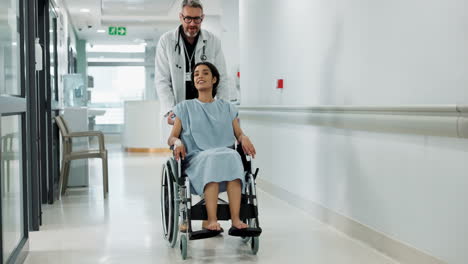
207 134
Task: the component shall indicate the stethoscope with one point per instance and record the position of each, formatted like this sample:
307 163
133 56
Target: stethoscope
203 57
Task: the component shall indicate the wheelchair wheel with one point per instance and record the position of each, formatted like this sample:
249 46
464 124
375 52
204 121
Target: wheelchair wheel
183 246
169 207
254 244
252 223
254 241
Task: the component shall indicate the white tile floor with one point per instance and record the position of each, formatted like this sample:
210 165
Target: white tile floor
83 228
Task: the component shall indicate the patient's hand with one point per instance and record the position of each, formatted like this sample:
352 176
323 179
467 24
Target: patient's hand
179 152
247 146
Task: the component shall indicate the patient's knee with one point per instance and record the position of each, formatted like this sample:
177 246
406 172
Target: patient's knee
211 186
234 183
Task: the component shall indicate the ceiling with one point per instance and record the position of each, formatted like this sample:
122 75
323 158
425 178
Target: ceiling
145 20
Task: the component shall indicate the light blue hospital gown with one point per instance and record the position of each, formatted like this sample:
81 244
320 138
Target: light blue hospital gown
207 134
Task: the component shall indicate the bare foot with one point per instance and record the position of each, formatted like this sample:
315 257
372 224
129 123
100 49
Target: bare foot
183 227
211 225
239 224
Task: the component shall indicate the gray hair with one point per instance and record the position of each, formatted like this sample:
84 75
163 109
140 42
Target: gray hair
192 3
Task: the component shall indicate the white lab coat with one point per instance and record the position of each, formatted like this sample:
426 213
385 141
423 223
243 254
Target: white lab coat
170 67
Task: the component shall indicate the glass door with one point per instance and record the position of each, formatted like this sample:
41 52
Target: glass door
52 107
47 103
13 165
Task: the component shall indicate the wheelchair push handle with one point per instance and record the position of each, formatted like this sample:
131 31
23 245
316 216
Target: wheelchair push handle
255 174
179 166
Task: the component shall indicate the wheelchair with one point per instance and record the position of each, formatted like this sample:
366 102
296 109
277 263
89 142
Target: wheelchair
177 208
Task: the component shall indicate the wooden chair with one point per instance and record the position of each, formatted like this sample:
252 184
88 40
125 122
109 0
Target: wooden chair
69 154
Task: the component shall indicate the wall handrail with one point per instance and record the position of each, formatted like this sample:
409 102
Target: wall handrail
431 120
369 109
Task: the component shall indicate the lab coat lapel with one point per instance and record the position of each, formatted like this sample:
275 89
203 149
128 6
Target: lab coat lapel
178 78
199 48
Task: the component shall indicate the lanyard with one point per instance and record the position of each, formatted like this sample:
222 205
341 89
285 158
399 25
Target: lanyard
190 57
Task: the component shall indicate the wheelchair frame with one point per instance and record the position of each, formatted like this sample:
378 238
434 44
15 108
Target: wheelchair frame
176 205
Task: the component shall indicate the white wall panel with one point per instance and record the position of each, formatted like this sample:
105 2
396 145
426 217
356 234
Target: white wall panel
408 187
354 52
363 52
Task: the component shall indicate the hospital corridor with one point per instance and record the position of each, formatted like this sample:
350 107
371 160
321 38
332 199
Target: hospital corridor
126 228
233 131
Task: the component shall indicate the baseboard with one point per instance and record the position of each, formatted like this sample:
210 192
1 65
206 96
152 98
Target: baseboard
395 249
149 150
19 256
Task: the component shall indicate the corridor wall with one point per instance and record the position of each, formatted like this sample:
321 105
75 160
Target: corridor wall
407 187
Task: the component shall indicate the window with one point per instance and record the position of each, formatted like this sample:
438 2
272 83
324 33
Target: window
113 86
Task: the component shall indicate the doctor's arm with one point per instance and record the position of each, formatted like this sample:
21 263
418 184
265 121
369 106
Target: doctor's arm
163 78
179 148
247 145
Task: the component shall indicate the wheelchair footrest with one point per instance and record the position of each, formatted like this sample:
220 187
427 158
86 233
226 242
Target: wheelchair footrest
204 233
245 232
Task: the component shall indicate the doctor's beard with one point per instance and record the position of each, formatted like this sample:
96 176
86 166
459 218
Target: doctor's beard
192 35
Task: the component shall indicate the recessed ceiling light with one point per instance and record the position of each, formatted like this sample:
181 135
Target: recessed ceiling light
101 31
85 10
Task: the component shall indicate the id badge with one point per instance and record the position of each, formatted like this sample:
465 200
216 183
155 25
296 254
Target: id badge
188 76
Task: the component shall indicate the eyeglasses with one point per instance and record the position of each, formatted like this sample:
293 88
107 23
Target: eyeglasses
196 20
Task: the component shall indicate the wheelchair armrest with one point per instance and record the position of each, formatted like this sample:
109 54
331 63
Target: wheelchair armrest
246 160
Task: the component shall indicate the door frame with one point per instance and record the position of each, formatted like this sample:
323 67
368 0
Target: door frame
18 105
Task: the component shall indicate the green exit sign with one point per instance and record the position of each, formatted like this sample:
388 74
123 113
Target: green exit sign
117 31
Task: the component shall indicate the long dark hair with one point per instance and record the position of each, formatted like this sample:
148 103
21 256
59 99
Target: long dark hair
214 72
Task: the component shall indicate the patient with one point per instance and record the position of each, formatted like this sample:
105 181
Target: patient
204 129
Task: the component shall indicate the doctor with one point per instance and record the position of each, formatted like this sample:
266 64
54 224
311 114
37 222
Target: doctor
178 51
